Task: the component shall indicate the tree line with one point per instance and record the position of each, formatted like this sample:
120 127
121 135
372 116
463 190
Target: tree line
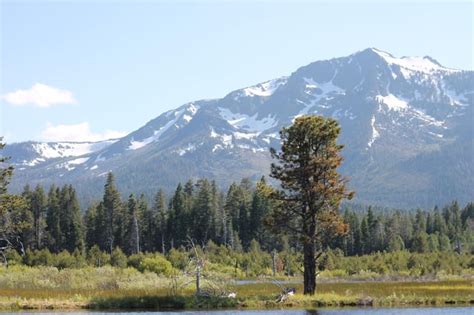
199 211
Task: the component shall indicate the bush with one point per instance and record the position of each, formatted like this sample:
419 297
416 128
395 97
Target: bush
65 260
118 258
135 260
13 258
39 258
97 258
157 264
178 258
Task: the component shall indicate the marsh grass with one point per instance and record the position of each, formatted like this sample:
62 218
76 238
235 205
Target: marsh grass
113 288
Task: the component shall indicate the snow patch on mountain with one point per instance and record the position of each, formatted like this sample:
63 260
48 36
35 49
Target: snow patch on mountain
392 102
455 98
321 93
189 148
375 133
32 162
226 139
325 89
242 135
427 119
411 65
71 165
265 89
135 145
53 150
68 149
246 122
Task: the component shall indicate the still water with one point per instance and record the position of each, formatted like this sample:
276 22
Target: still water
346 311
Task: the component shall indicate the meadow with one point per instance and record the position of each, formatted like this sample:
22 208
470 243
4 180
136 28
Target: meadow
24 287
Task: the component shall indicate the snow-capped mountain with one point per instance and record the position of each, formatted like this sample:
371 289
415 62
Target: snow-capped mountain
406 126
27 154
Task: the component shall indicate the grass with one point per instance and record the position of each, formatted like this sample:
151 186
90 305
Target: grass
112 288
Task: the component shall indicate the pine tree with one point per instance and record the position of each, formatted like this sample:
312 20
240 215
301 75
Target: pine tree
53 220
365 237
102 231
202 212
112 209
161 221
312 189
70 220
38 209
260 208
178 222
6 171
232 206
148 226
90 224
132 235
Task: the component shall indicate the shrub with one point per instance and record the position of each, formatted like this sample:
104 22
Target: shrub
65 260
118 258
157 264
97 258
135 260
38 258
178 258
13 258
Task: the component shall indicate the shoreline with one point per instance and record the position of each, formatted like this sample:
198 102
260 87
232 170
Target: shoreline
249 297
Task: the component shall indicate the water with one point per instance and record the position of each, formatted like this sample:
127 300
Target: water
346 311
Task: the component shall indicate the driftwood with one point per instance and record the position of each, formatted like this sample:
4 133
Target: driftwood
285 294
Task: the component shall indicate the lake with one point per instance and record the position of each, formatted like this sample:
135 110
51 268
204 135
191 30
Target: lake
345 311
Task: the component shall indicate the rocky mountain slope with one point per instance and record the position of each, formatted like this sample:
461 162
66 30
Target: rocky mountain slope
407 127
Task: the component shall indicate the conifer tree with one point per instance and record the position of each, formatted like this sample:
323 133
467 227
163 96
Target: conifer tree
38 209
6 170
90 223
202 212
161 220
261 206
312 189
53 221
112 210
148 225
178 218
132 235
70 220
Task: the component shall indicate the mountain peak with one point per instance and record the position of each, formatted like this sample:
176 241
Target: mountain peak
426 64
401 116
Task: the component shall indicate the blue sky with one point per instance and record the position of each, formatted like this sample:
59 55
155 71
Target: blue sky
101 69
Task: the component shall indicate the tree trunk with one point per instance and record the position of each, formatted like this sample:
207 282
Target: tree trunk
198 279
309 268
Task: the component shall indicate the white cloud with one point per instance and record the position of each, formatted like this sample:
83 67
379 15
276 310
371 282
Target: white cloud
40 95
79 132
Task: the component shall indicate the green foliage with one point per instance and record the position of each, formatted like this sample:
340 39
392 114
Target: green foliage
97 258
157 264
6 171
308 202
65 260
118 258
39 258
13 257
135 260
178 258
231 226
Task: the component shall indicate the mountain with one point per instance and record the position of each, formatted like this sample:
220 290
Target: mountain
407 127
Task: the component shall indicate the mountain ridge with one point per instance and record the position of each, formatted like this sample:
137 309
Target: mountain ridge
400 117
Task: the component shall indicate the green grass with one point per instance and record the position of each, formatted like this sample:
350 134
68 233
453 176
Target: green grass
113 288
